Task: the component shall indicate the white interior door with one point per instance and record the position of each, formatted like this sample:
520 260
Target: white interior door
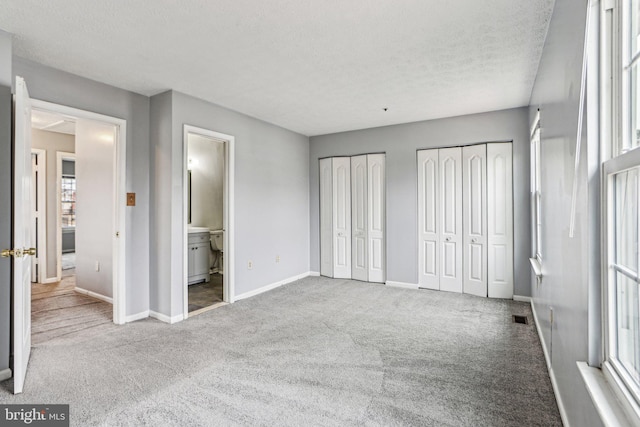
359 209
342 217
326 217
429 236
22 236
450 210
474 204
500 220
376 217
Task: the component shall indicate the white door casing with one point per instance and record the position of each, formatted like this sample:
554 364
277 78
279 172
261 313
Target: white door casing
341 217
474 159
428 230
22 236
450 210
376 218
500 220
326 217
359 209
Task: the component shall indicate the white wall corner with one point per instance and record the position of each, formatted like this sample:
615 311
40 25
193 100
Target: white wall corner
5 374
166 319
522 298
404 285
314 273
137 316
271 286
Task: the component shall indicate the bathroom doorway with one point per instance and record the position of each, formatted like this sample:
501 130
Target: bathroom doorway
207 216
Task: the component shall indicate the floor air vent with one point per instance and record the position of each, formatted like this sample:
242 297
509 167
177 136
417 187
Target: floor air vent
520 319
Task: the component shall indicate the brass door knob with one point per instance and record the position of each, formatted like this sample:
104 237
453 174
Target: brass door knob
29 251
6 253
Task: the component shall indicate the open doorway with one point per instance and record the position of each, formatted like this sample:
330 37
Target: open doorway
80 249
207 212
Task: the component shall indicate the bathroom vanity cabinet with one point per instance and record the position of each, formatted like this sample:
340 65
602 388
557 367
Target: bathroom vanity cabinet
198 258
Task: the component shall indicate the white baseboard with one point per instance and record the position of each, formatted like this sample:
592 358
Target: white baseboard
137 316
166 319
49 280
522 299
5 374
271 286
402 285
314 273
552 375
93 295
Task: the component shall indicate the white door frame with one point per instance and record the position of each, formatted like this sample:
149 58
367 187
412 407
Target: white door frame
119 249
60 156
228 279
41 228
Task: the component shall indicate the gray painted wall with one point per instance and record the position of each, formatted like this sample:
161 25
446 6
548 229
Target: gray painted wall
271 197
52 142
63 88
400 143
5 196
5 223
565 261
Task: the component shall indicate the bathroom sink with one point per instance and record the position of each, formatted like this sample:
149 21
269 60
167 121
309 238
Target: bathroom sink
198 230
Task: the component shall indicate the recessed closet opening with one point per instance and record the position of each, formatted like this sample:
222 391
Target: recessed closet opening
352 217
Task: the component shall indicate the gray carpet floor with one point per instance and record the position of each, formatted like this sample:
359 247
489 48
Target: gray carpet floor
314 352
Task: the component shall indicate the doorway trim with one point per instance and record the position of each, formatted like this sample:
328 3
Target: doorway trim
228 281
41 228
119 238
60 156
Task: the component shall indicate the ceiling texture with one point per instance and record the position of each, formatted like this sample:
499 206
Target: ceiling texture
311 66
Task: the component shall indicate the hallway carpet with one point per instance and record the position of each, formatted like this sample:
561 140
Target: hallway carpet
315 352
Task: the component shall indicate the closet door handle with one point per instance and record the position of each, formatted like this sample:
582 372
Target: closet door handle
448 239
474 240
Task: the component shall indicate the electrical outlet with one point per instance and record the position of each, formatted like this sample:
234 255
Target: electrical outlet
249 265
97 265
277 258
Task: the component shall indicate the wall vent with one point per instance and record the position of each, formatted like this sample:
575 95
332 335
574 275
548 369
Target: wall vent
520 319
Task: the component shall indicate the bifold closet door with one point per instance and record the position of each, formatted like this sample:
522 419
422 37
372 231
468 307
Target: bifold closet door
359 208
341 217
428 224
474 215
500 220
326 217
450 211
376 217
368 217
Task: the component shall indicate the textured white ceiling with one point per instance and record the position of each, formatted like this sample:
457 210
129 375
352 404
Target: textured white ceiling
311 66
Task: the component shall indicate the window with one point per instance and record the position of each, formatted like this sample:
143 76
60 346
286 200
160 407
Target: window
68 201
621 219
535 191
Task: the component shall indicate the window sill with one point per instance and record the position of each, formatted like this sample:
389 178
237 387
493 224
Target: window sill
536 267
612 411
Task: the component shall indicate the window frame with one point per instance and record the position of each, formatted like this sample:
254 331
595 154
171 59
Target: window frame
536 194
618 155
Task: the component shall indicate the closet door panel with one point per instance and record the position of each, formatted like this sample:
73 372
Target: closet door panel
326 218
359 206
474 208
450 218
500 220
376 217
342 217
428 230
